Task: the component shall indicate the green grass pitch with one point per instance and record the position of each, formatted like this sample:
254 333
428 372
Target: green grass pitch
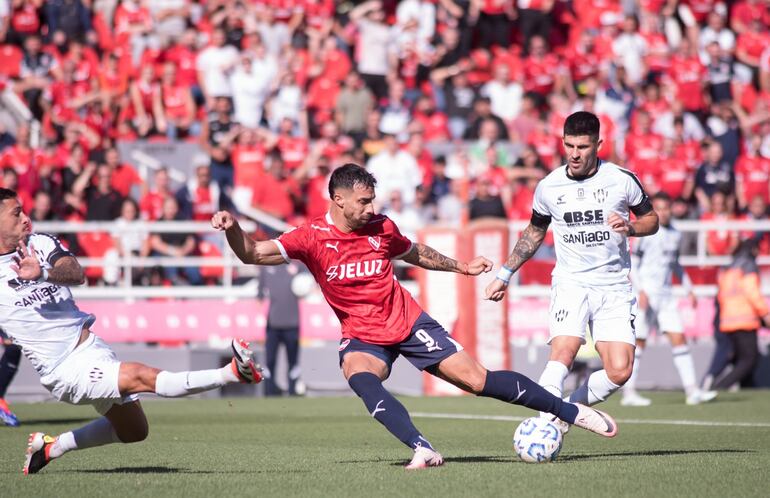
331 447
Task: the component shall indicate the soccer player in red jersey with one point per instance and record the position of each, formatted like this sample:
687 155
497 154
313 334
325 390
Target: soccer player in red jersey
349 252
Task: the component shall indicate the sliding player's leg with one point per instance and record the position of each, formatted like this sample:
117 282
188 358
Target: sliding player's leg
93 375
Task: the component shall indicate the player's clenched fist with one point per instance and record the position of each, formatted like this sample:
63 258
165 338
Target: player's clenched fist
479 265
222 220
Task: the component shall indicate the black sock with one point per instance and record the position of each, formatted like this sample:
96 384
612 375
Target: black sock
513 387
9 364
386 409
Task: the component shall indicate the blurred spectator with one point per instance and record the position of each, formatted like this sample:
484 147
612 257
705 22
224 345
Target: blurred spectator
714 174
213 65
36 74
723 126
395 169
124 176
723 241
133 27
129 239
742 310
407 218
429 122
752 173
354 102
217 139
482 111
495 22
10 181
173 106
720 71
151 203
170 18
72 17
276 192
21 157
717 32
41 209
375 54
199 199
534 19
758 211
176 245
630 49
94 186
395 110
451 207
459 97
142 92
484 203
504 94
751 43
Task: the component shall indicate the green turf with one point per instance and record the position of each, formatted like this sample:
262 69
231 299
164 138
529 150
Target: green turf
331 447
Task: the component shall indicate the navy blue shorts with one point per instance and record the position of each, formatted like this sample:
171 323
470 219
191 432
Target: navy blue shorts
427 345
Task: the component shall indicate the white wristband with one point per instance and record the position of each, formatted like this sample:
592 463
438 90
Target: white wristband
43 275
504 274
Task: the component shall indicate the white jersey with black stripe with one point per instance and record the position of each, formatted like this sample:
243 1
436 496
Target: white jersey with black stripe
656 260
588 252
41 317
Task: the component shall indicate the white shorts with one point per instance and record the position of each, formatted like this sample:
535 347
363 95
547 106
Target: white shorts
88 376
609 314
662 314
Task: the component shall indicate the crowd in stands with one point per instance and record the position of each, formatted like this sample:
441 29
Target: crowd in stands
456 106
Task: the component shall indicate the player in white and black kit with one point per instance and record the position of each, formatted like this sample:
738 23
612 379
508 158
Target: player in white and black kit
588 202
38 312
656 261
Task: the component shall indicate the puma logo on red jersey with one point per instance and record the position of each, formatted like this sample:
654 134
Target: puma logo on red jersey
354 270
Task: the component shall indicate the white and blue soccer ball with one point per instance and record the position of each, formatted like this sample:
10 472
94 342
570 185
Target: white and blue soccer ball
537 440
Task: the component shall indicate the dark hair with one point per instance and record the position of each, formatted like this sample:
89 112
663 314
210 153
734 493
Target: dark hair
662 196
582 123
6 193
348 176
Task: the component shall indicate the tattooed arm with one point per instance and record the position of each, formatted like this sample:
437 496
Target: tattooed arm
430 259
66 271
526 246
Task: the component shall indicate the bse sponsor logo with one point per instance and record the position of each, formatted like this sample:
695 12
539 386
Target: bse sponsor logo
587 217
589 239
354 270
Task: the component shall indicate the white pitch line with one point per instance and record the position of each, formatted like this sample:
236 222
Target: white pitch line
509 418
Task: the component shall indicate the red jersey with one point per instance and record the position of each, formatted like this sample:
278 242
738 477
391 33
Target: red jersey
151 205
754 175
356 275
688 74
248 164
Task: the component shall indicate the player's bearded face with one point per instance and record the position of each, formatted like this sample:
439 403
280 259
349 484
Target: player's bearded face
581 154
14 224
357 206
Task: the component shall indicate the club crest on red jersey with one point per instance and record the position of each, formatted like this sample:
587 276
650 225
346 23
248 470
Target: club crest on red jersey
375 242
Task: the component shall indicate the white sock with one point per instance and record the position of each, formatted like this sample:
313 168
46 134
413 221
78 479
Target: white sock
176 384
685 366
630 385
596 389
97 433
552 380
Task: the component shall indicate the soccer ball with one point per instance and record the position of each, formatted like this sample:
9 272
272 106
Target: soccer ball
537 440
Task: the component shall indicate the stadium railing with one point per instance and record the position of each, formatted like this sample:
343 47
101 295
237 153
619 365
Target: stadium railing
229 287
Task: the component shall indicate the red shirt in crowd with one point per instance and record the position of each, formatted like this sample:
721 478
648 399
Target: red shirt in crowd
753 173
123 178
248 164
356 277
293 150
688 74
151 205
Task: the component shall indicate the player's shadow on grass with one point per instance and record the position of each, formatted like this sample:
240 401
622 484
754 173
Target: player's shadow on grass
465 459
144 470
51 421
600 456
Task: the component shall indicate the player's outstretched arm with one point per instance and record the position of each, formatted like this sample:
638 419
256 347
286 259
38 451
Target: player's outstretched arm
430 259
65 271
247 249
525 248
